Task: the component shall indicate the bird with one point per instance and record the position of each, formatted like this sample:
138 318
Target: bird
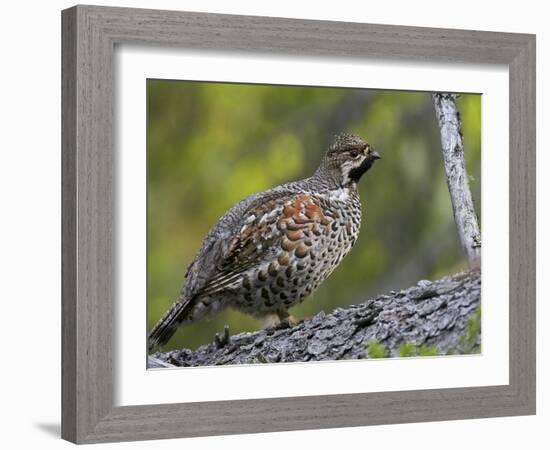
273 249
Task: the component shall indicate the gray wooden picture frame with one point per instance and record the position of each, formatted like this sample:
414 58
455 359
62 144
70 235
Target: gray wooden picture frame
90 34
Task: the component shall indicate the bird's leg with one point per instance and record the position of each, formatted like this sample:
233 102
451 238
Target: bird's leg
222 340
269 321
278 320
286 319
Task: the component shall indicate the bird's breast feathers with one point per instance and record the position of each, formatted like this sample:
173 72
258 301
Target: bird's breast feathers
340 195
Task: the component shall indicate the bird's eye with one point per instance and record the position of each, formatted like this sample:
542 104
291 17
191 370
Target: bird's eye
354 153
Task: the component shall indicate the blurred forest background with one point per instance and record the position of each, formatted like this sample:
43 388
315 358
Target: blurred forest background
211 144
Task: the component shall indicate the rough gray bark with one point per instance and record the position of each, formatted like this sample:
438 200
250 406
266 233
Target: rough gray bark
457 177
430 314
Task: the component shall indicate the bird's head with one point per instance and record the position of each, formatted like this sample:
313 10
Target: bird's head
347 159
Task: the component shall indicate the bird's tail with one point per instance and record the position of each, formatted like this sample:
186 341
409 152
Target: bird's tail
169 323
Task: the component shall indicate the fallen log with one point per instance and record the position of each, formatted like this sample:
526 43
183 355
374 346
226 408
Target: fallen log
430 318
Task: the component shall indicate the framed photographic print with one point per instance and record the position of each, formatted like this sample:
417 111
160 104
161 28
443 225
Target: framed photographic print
303 230
267 222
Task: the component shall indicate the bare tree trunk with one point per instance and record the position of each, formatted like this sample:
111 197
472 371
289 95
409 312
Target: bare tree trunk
457 177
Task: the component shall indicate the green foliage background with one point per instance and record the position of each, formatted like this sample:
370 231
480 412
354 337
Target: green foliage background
211 144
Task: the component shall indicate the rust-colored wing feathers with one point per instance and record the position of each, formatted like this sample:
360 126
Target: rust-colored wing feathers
271 225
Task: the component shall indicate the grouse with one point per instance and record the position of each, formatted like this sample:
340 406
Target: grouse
273 249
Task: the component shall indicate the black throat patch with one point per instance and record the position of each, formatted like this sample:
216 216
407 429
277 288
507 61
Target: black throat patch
356 173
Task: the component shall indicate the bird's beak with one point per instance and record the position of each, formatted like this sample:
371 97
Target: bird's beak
374 155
